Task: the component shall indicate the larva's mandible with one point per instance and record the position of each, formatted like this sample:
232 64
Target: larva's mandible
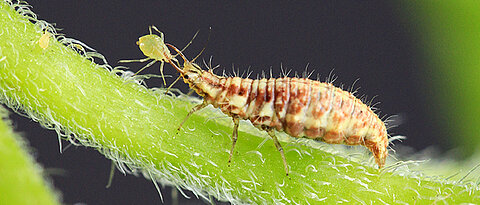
299 107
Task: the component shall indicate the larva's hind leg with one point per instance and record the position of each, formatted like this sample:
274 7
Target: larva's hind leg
194 109
236 122
279 148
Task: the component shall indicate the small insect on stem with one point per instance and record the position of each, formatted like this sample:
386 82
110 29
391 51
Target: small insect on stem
44 40
153 46
299 107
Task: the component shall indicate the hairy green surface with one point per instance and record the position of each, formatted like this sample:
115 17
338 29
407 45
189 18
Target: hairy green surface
136 127
450 42
20 179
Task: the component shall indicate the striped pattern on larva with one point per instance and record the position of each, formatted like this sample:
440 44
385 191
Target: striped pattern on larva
299 107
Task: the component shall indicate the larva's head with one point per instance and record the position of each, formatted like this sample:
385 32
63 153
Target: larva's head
191 71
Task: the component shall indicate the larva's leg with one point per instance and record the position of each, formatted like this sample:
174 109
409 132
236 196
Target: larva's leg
194 109
236 122
279 148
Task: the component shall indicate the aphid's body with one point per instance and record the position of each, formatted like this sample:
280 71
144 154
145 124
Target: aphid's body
297 106
154 48
44 40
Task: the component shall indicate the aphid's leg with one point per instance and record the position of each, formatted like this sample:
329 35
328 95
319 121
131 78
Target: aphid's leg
156 29
236 122
168 89
279 148
190 92
135 60
194 109
146 66
161 73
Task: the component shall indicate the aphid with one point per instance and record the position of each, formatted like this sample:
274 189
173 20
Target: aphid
154 48
44 40
299 107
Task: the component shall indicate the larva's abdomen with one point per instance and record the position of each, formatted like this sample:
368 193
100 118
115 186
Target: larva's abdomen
301 108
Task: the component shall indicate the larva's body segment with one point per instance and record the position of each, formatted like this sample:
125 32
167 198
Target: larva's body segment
297 106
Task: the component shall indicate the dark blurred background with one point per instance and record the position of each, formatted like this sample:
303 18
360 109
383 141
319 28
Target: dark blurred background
370 41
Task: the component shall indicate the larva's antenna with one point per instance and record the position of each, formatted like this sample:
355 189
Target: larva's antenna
206 43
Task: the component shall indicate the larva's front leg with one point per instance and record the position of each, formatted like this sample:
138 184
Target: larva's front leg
194 109
279 148
236 122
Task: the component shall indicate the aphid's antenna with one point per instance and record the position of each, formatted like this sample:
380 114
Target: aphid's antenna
206 43
191 41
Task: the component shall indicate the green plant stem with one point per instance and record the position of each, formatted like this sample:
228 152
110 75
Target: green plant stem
137 127
20 179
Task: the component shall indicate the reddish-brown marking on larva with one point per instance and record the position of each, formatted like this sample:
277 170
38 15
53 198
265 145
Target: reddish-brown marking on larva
298 106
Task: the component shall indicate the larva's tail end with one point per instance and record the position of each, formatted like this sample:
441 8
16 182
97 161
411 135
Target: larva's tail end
380 154
379 151
381 161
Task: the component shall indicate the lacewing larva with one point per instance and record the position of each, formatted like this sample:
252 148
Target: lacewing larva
300 107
